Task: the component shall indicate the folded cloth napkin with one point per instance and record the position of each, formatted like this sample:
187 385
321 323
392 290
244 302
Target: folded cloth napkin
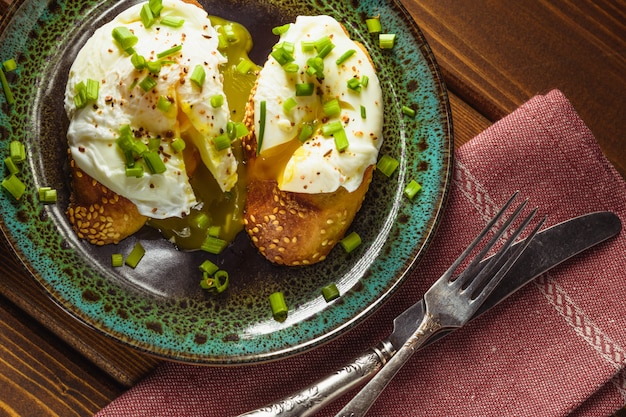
556 347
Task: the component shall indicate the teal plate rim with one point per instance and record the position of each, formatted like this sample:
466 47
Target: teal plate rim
158 308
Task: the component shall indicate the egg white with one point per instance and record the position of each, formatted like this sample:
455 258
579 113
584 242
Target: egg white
94 129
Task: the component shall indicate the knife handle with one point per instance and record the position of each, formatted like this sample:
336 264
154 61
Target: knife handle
318 395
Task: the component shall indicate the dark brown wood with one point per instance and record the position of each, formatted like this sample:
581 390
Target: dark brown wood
494 56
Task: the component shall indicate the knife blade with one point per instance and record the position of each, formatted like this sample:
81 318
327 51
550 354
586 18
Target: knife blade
548 249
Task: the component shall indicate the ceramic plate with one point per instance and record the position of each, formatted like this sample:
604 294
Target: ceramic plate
159 307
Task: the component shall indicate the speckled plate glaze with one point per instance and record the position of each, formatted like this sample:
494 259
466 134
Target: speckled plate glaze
158 307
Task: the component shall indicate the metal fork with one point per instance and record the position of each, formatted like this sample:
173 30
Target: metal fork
453 299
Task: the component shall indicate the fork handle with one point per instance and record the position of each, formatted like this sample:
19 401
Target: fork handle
316 396
363 400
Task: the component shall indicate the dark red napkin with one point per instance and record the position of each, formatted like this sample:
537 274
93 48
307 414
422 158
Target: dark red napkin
556 347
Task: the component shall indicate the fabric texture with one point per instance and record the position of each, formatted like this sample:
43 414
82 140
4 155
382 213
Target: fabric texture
556 347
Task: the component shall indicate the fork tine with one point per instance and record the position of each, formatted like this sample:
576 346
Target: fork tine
502 253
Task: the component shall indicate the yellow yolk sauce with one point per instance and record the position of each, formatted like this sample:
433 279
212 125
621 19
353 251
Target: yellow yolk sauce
223 210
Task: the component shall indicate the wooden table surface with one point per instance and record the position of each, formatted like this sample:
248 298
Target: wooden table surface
494 56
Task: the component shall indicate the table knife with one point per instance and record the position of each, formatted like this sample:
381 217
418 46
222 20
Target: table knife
549 248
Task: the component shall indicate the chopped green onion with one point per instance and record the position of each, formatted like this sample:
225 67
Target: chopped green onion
139 147
244 66
279 30
200 221
17 151
305 132
315 67
14 186
230 130
215 284
178 145
331 128
363 112
213 245
351 242
92 89
412 189
221 142
47 195
331 108
154 67
156 6
10 164
307 46
291 67
154 162
330 292
387 165
80 97
9 65
135 255
124 37
209 267
354 84
304 89
117 259
322 43
217 101
365 80
147 83
386 40
241 130
229 31
262 116
283 53
138 61
341 140
164 104
154 143
7 88
174 22
134 171
289 104
322 53
222 42
278 305
407 111
373 25
147 16
170 51
214 231
343 58
198 75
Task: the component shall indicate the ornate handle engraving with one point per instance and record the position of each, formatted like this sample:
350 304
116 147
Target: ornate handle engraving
321 393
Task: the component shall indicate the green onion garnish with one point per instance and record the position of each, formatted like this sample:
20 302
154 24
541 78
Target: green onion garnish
138 147
322 53
147 16
244 66
209 267
138 61
200 221
322 43
386 40
154 143
221 142
217 101
363 112
9 65
354 84
373 25
279 30
214 231
134 171
117 259
124 37
17 151
307 46
170 51
198 75
229 32
135 255
365 80
407 111
289 104
215 284
305 132
222 42
92 89
412 189
10 164
213 245
351 242
241 130
387 165
331 108
154 162
291 67
283 53
80 97
262 116
341 140
344 57
14 186
7 89
278 305
154 67
331 128
304 89
330 292
147 83
174 22
178 145
47 195
315 67
155 6
164 104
